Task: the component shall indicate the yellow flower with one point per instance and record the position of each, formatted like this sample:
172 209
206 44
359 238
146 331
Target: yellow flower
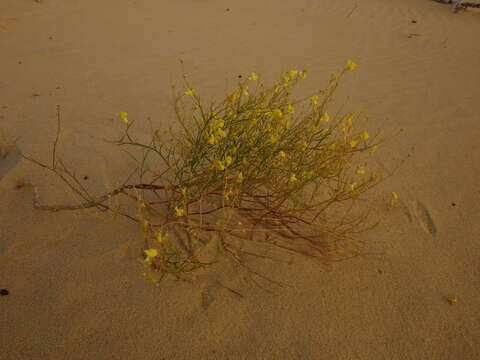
394 196
314 99
304 146
254 121
353 143
145 224
273 139
282 154
228 160
286 80
253 77
293 73
184 191
221 133
308 174
179 211
365 135
290 109
325 118
277 112
220 123
349 121
293 178
352 186
373 149
351 65
303 74
219 165
239 177
151 253
122 115
324 131
245 92
233 150
332 146
234 96
361 171
190 92
277 88
211 139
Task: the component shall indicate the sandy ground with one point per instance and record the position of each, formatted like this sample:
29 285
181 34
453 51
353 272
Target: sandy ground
75 287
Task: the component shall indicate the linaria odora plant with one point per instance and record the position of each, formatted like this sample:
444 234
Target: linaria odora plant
257 166
258 162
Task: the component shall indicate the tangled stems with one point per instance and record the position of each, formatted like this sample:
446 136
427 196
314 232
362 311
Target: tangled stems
257 163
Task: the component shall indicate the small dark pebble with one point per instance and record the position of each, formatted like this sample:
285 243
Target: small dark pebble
19 185
379 271
19 62
414 21
4 292
227 9
85 177
453 204
239 76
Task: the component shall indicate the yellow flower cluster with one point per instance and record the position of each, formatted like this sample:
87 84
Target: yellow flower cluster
222 165
122 115
216 131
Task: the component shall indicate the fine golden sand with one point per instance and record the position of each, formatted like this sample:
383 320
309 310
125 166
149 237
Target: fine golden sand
74 283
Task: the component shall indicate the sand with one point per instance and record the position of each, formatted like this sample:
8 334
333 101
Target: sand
75 290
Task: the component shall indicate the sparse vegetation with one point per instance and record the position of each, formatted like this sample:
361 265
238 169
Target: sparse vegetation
259 166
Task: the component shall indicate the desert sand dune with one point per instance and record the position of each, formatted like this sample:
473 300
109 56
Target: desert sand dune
75 290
